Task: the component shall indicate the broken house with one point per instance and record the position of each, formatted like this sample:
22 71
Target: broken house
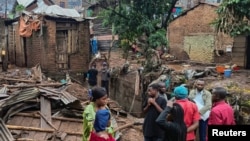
38 111
191 36
46 34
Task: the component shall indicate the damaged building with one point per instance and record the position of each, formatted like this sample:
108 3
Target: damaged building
46 34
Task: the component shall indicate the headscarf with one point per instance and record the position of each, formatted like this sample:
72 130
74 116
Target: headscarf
181 92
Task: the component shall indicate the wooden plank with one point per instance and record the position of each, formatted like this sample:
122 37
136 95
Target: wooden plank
15 120
46 111
48 122
74 126
32 134
240 39
26 121
28 128
70 138
64 126
78 138
40 136
238 59
54 118
56 123
73 46
239 49
239 44
35 123
238 54
69 41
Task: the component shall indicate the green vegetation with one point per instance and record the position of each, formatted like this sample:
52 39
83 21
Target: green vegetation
143 22
233 17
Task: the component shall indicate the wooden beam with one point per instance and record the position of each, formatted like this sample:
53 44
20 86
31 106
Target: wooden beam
20 80
35 85
55 118
124 126
14 127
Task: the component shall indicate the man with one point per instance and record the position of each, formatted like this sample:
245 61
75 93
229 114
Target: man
162 90
152 108
92 76
203 100
191 113
221 112
105 75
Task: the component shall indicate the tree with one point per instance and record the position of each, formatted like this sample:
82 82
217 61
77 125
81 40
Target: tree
233 17
140 21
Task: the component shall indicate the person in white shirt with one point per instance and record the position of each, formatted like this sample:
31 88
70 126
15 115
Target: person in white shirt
203 100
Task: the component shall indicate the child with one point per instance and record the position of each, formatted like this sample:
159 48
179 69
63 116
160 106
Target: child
102 121
92 122
154 106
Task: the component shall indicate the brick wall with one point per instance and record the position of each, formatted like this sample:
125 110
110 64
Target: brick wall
195 22
35 49
50 46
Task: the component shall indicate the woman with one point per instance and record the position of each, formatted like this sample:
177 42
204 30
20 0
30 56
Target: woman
172 121
95 109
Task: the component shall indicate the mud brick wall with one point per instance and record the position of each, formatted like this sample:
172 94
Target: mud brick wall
122 89
35 49
50 45
195 22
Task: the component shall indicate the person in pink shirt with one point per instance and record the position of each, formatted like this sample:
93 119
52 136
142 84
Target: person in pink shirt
191 112
221 112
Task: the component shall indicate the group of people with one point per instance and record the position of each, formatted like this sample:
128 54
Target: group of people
92 74
174 117
178 118
96 116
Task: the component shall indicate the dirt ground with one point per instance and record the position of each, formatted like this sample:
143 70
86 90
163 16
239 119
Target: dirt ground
238 82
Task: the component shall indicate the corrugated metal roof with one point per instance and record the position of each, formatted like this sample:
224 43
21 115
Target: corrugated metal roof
55 10
5 134
25 3
3 92
56 94
20 96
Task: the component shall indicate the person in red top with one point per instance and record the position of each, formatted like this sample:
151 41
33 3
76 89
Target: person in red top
191 112
221 112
